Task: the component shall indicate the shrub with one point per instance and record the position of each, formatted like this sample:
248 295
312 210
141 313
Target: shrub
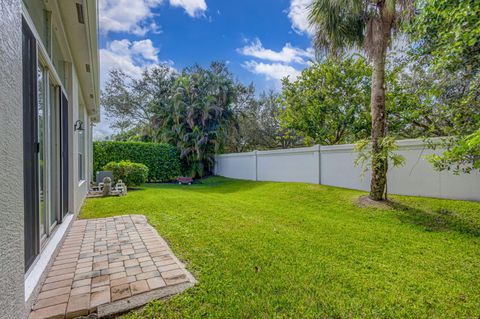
132 174
162 160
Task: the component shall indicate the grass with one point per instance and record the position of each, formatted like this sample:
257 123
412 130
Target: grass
288 250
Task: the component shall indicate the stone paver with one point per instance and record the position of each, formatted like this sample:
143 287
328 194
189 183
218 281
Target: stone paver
109 261
55 312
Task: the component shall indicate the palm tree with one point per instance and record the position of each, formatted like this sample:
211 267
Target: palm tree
197 117
368 25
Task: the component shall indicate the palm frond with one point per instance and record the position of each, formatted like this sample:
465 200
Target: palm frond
338 24
341 25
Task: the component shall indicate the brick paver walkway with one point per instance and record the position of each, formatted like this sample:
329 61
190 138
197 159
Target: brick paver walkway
109 265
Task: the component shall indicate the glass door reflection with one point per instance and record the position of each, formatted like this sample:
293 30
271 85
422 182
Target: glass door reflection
53 155
41 125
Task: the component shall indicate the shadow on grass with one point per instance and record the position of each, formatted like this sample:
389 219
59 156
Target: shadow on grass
222 186
217 185
438 220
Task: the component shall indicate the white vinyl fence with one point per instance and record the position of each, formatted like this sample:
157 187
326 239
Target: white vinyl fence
334 165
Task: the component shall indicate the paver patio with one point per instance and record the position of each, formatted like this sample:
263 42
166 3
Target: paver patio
108 266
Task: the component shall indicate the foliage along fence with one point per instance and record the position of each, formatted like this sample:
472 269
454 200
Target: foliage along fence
334 165
162 160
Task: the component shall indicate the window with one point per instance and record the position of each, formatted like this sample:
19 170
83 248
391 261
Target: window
81 143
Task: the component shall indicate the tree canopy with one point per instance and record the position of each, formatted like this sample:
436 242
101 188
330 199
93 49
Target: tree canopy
447 34
329 102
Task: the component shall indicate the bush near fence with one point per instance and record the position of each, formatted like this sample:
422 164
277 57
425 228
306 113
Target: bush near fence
132 174
162 160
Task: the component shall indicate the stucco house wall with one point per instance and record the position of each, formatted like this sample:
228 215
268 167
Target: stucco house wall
78 188
11 161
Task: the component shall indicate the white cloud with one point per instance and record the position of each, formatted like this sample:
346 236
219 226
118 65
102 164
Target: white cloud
288 54
131 16
192 7
276 65
145 49
137 17
130 57
298 14
272 71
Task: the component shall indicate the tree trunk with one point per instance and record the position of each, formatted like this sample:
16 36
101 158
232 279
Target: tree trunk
379 164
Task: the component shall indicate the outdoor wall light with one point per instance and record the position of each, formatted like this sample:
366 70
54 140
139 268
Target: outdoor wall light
79 126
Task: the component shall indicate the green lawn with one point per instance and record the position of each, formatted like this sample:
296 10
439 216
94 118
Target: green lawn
288 250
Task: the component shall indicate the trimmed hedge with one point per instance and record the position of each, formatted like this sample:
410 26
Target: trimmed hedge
162 160
132 174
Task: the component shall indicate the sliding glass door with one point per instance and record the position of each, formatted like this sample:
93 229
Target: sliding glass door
45 123
48 125
53 157
42 152
30 146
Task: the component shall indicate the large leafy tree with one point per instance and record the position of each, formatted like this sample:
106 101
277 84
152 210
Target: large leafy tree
131 103
448 34
424 101
273 134
258 123
449 31
328 103
366 24
244 132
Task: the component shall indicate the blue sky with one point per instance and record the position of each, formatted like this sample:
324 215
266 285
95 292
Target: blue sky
261 40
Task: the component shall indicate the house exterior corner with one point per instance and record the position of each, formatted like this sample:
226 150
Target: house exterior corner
49 101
